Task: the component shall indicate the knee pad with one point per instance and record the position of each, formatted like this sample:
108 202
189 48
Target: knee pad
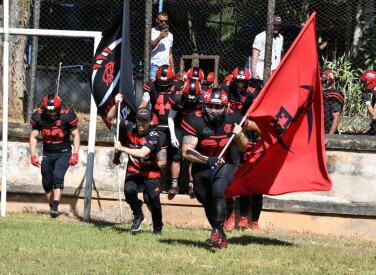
58 184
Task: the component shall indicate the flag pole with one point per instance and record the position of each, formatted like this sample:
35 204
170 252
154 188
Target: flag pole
117 166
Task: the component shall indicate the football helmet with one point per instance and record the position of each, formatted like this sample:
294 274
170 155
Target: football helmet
327 79
192 90
195 73
165 77
241 73
368 81
210 77
241 76
51 107
214 105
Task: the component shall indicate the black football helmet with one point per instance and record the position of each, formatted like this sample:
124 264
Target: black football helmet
165 77
51 107
192 90
214 105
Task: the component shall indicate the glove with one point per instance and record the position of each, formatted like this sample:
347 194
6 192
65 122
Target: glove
366 98
213 161
35 161
73 159
174 142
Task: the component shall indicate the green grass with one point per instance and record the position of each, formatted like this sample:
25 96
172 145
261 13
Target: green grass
37 244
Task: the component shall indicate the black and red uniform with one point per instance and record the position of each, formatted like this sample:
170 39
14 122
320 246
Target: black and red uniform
242 100
239 100
57 148
333 103
159 99
141 171
210 184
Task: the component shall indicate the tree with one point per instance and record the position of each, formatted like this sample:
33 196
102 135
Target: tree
19 13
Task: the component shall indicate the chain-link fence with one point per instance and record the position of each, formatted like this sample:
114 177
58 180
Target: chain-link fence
345 29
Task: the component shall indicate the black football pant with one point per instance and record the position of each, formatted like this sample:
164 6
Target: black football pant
53 169
151 192
255 201
210 186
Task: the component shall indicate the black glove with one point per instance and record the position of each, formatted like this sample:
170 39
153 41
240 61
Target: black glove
366 97
212 161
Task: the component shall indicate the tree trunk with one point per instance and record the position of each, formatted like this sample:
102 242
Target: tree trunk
358 31
19 13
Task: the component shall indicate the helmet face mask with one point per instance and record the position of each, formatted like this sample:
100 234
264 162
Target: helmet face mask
51 107
368 81
165 77
214 107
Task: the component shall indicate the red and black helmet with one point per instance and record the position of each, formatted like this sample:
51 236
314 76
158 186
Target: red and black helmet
195 73
368 81
51 107
327 79
210 77
241 73
214 106
165 76
192 90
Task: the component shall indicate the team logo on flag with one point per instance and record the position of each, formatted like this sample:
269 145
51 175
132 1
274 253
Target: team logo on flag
282 121
227 128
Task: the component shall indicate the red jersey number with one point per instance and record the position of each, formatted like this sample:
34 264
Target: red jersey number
161 106
53 135
211 147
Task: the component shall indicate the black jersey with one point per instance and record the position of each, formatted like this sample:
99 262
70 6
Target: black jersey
155 141
333 103
159 99
240 100
55 135
179 103
211 138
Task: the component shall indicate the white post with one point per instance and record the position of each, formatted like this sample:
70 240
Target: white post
91 147
5 107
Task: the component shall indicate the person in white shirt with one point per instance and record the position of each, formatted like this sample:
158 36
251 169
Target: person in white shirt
161 45
258 50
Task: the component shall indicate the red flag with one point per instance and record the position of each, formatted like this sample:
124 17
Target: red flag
290 157
111 70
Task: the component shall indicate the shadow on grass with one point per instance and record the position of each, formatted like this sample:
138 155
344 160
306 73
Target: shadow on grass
198 244
247 239
241 240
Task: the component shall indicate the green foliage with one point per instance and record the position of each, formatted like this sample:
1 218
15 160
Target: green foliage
347 80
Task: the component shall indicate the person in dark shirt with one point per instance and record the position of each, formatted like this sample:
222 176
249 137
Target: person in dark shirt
334 100
368 86
56 126
241 96
158 93
206 134
182 104
146 149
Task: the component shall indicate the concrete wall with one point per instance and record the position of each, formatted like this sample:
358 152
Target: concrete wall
351 165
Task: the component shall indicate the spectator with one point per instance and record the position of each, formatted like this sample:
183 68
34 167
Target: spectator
368 82
161 45
333 102
182 104
241 96
147 155
158 92
206 135
258 51
56 125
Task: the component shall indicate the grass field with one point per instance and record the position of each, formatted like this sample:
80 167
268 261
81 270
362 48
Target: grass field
37 244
